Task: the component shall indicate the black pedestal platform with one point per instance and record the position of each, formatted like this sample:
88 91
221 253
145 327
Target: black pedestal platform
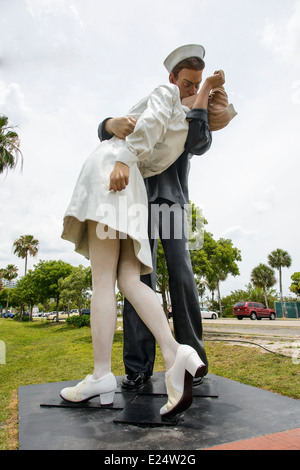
223 411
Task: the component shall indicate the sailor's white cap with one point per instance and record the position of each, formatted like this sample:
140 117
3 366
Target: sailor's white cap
182 53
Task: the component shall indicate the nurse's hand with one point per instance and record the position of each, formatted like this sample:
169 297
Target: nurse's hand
120 127
119 177
217 79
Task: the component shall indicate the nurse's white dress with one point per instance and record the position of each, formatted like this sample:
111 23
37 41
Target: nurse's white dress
157 141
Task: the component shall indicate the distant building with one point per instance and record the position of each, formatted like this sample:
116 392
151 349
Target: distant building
5 282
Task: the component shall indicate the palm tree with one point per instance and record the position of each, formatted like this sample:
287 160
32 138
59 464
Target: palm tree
9 145
10 273
1 275
263 276
279 259
25 245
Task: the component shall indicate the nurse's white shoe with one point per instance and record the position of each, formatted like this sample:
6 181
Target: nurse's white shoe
179 381
88 388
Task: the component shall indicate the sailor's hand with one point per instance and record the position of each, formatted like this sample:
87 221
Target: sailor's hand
119 177
120 127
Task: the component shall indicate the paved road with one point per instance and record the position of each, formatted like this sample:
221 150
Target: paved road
279 327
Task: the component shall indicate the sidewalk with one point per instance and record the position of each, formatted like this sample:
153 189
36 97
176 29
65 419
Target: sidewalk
286 440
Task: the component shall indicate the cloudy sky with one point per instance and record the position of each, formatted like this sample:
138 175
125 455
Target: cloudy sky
65 65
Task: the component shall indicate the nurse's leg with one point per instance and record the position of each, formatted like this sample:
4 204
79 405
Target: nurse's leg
145 301
104 255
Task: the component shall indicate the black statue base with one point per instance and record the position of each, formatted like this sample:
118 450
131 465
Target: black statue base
223 411
139 407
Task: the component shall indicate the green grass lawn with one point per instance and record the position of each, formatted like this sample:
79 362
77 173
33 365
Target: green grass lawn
41 352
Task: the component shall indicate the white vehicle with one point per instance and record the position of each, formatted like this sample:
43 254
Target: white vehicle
205 313
61 315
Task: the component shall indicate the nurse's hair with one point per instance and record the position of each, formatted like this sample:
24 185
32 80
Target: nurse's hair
192 63
220 112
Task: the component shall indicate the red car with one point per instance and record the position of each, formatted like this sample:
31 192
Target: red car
253 310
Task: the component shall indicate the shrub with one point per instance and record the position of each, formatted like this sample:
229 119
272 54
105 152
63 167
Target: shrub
24 317
78 321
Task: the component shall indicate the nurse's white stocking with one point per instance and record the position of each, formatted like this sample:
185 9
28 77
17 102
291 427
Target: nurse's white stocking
104 255
145 301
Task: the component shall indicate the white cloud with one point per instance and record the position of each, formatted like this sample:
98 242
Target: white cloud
282 35
267 200
40 8
13 103
237 232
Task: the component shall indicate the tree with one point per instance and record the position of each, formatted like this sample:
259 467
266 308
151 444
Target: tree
223 262
295 286
25 245
3 299
120 300
201 286
75 287
214 262
162 277
10 273
279 259
27 292
1 277
47 275
9 145
263 276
